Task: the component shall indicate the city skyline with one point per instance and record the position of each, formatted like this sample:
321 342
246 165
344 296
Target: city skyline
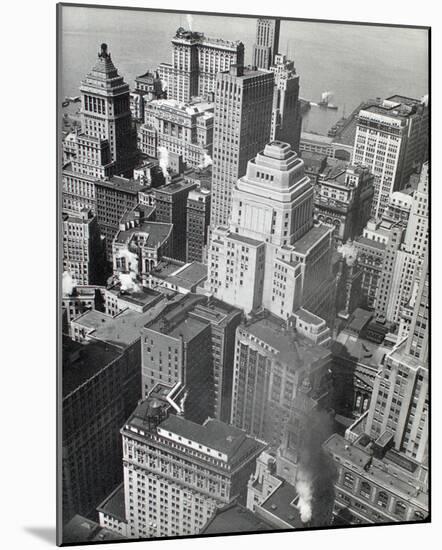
245 300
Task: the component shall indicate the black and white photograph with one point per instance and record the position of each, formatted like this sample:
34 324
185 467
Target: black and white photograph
243 249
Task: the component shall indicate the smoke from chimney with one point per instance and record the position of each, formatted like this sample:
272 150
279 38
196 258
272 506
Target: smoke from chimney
304 487
207 161
189 21
348 252
67 283
163 157
128 281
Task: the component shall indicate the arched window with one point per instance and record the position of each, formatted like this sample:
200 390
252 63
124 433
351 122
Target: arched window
400 509
382 500
348 480
365 489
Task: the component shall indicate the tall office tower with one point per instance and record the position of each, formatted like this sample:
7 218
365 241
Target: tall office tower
392 141
83 248
371 249
175 351
106 112
114 197
267 42
101 385
198 220
286 114
271 254
343 197
272 364
177 472
383 460
196 59
223 320
184 129
243 113
171 207
397 290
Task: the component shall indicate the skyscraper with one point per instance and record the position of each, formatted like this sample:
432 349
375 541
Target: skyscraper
274 367
83 248
408 259
382 463
177 472
198 220
267 42
286 115
243 110
106 111
196 59
392 141
271 254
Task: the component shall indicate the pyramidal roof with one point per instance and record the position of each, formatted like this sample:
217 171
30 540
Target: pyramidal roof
104 63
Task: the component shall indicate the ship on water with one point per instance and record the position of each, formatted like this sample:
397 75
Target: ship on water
324 103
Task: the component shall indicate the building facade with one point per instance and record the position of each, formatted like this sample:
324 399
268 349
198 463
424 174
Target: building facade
83 248
343 197
171 207
198 221
286 114
267 42
183 129
243 113
177 472
392 141
271 254
101 385
196 59
105 107
271 365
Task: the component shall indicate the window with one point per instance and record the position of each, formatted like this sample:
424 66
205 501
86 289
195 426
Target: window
400 509
365 489
382 500
348 480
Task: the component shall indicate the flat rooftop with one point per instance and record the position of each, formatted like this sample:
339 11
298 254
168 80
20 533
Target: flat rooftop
371 243
291 348
235 518
214 434
144 297
123 329
395 471
83 361
311 238
114 504
157 233
81 529
308 317
319 138
122 184
280 504
189 276
176 187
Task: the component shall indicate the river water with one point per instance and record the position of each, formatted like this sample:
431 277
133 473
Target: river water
355 62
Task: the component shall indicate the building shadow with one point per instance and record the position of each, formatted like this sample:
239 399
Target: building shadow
48 534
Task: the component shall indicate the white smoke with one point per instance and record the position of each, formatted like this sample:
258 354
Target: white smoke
424 100
189 21
164 85
163 157
348 252
67 283
128 281
304 488
207 161
326 95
